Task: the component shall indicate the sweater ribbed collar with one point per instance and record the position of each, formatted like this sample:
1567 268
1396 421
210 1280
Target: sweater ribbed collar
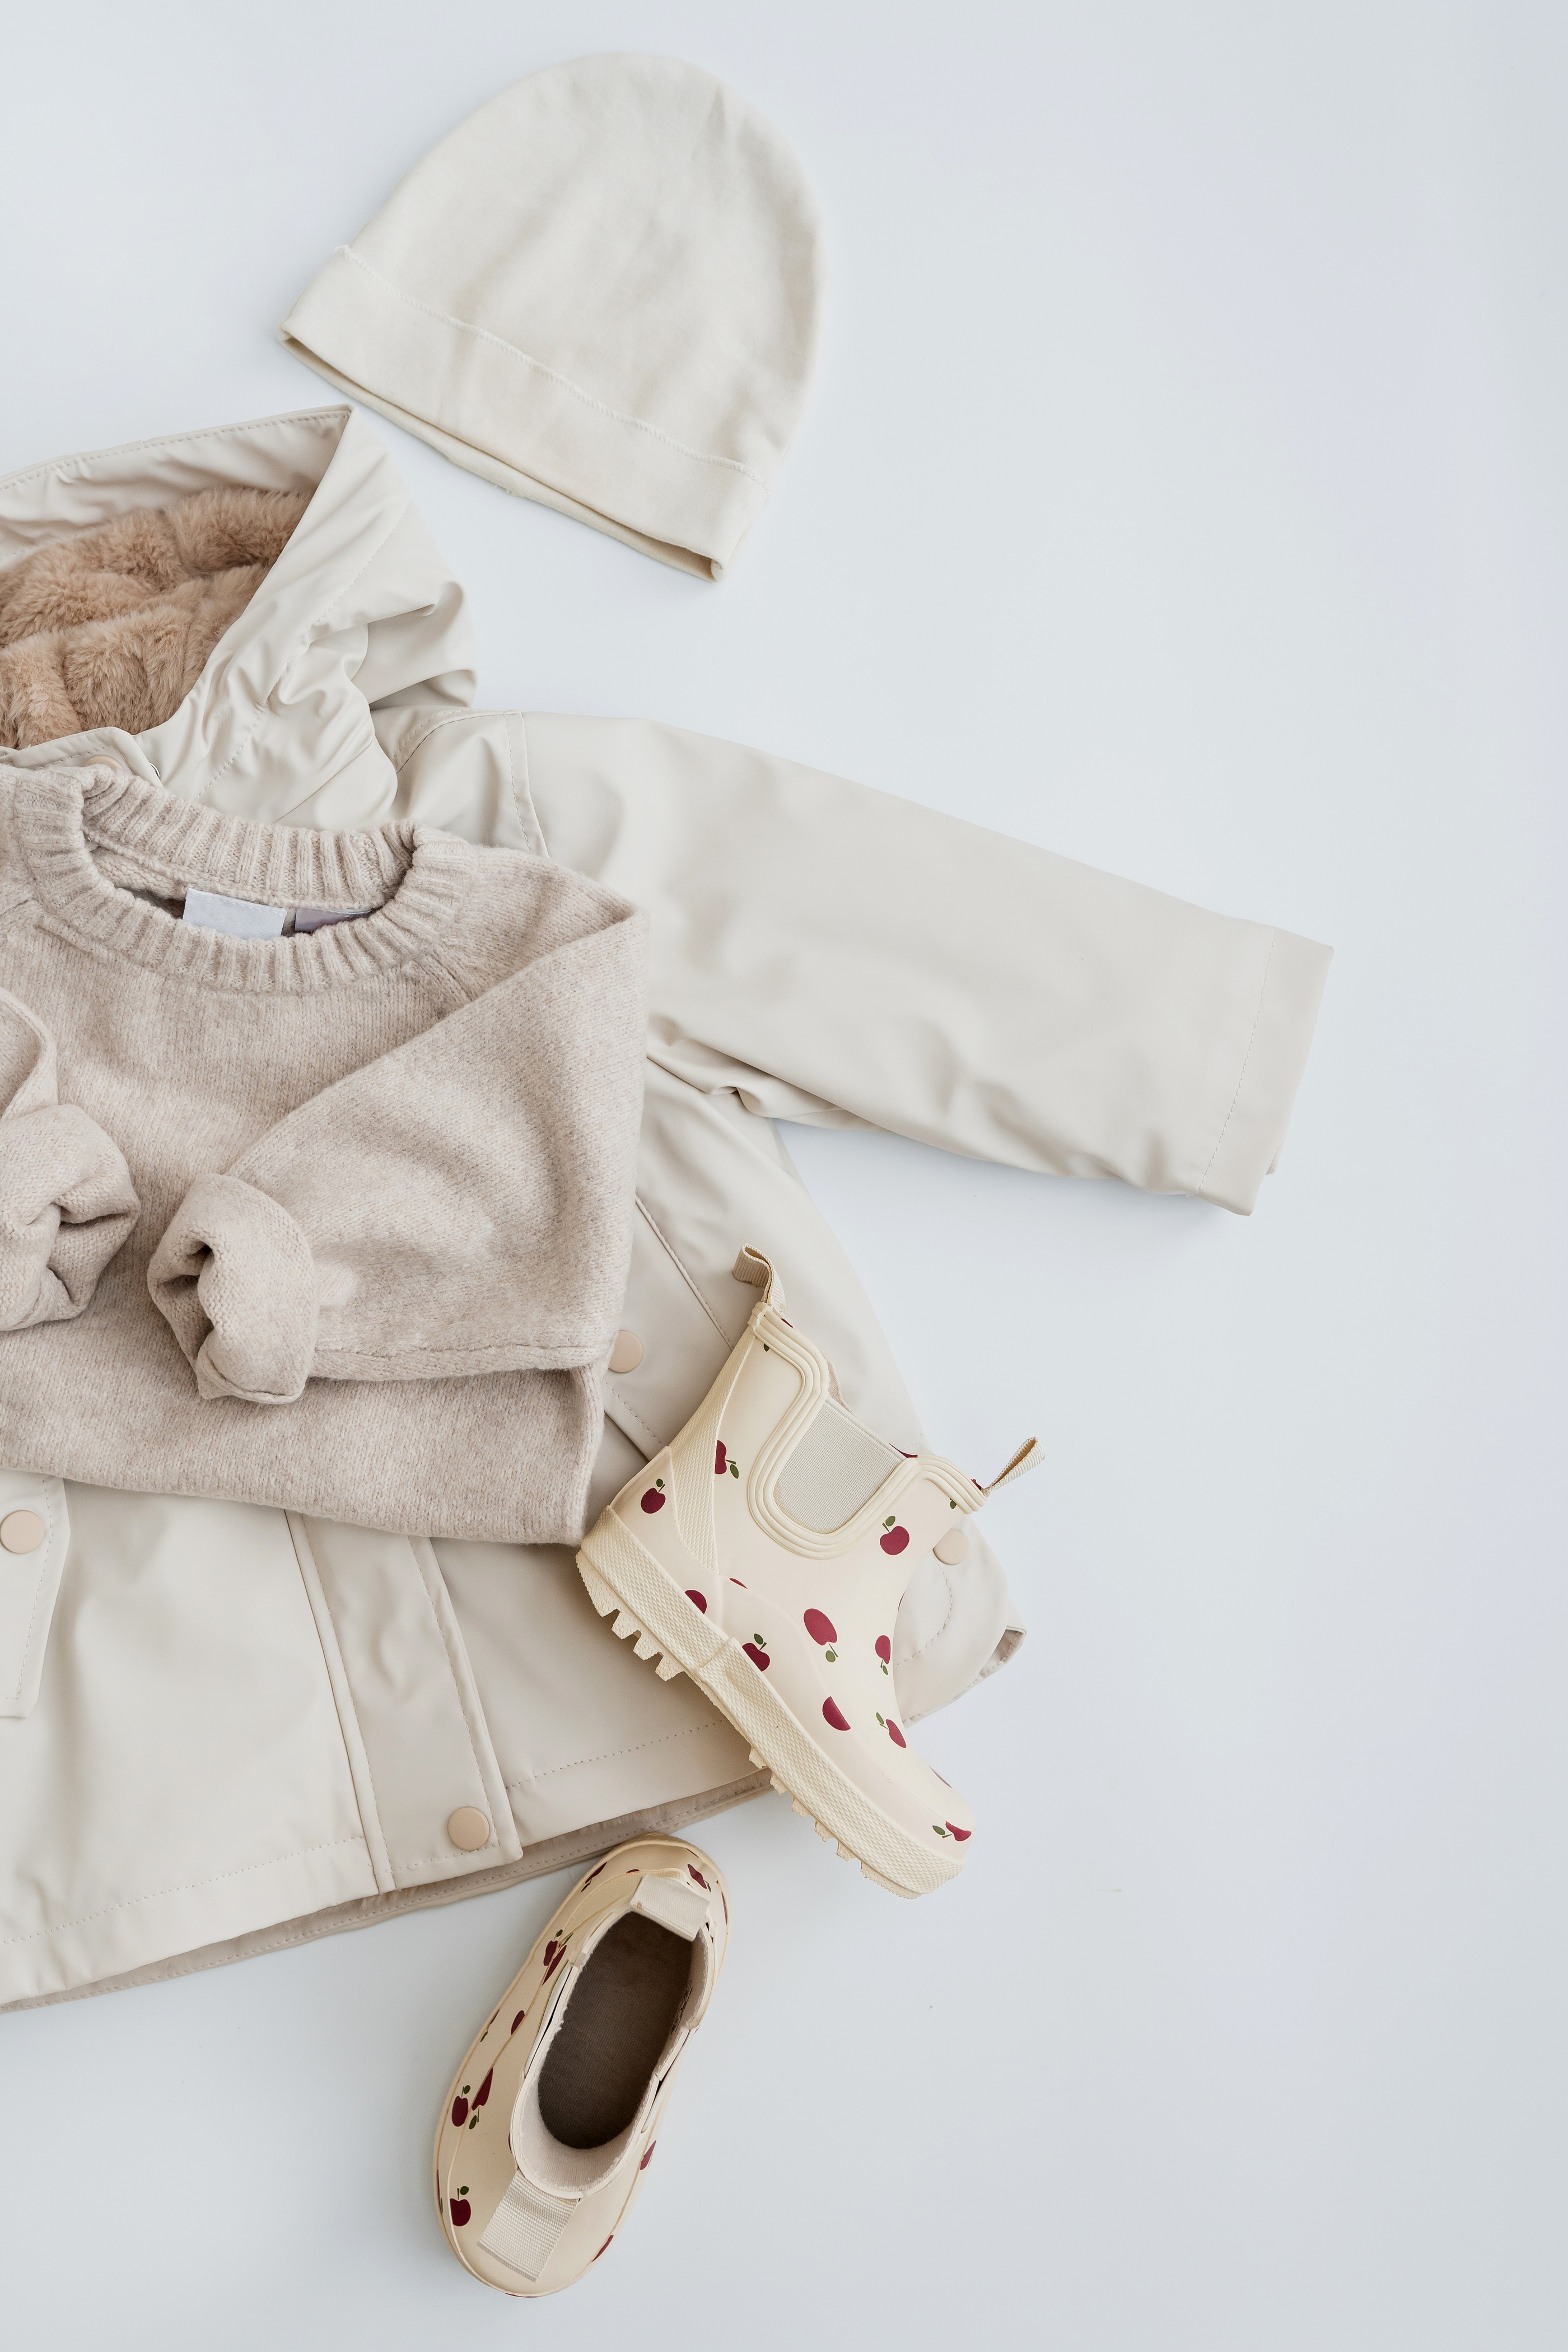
408 874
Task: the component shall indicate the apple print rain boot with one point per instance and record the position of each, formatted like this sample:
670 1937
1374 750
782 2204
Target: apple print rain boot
766 1552
553 2116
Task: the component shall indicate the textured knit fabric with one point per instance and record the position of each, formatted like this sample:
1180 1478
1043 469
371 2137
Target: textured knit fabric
67 1201
356 1201
601 291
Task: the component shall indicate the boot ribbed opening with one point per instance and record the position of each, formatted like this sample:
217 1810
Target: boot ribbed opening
614 2032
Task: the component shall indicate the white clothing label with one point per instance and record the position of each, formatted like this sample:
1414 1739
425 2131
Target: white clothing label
241 917
316 918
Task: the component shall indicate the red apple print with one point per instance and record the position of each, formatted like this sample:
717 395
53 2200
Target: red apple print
459 2111
759 1657
884 1648
697 1601
953 1830
517 2021
697 1875
896 1540
831 1713
606 2243
462 2210
819 1627
482 2096
653 1498
553 1952
721 1464
648 2157
895 1735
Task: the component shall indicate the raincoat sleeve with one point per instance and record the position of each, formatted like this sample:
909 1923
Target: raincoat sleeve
844 958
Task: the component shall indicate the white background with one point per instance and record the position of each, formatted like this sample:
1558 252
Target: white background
1183 490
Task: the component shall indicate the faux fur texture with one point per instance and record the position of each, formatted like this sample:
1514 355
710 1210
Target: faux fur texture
113 628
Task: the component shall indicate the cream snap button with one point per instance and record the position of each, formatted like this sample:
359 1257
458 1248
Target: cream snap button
22 1531
626 1353
469 1829
954 1546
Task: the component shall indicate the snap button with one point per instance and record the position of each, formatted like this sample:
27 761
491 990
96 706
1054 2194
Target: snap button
954 1546
626 1353
22 1531
469 1829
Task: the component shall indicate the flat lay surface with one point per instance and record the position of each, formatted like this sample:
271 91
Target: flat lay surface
1181 491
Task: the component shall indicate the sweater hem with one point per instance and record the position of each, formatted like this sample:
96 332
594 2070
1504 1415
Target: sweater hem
549 1510
412 1362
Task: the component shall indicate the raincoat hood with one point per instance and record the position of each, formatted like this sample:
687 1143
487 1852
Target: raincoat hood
303 712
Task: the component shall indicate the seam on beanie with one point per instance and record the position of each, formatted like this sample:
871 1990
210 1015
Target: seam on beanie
616 416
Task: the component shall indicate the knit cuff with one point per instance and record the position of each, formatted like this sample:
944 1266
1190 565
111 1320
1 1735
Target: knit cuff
235 1279
67 1203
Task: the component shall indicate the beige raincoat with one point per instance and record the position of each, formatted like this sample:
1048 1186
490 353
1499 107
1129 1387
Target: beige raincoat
224 1728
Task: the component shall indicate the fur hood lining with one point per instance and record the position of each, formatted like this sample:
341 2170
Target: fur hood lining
112 627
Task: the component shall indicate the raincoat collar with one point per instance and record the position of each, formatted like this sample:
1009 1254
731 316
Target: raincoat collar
359 612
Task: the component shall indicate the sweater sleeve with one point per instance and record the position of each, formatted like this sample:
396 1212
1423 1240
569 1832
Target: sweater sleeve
67 1201
840 957
460 1205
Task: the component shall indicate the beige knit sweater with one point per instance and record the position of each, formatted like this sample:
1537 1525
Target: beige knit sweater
339 1220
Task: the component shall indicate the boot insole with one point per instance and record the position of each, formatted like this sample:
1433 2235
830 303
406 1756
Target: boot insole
616 2024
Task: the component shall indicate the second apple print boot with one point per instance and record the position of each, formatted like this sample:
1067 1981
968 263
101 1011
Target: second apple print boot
766 1552
552 2119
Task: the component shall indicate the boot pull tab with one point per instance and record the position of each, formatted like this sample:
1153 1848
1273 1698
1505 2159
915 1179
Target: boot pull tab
753 1267
1028 1456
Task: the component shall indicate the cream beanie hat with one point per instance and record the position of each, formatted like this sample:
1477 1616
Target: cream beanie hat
601 291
